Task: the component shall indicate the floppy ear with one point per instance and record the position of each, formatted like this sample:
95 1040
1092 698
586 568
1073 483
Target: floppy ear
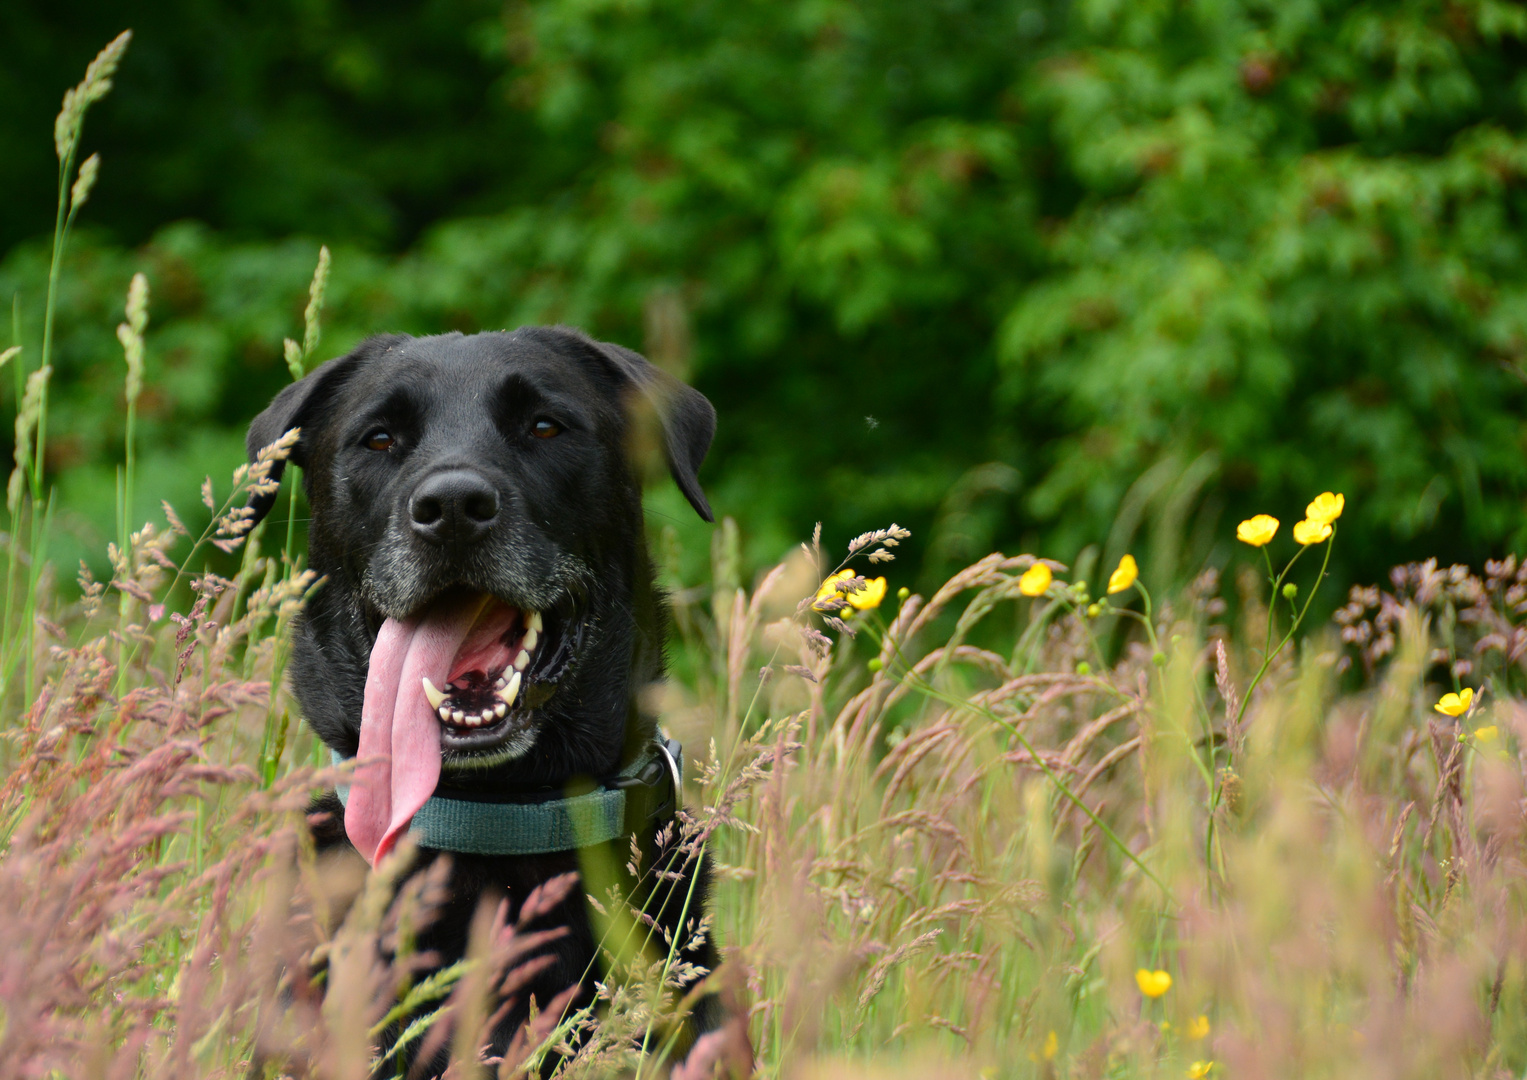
302 405
689 420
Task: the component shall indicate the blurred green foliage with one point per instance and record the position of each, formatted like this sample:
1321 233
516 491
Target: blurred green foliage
1038 275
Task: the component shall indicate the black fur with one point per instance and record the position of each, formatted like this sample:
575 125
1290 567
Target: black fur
568 537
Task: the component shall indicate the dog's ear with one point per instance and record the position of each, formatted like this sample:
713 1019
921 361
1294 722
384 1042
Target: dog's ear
303 405
687 416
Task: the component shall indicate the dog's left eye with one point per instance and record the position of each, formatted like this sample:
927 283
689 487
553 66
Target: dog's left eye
379 439
546 429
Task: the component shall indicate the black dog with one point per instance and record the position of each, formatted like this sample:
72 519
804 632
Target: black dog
488 618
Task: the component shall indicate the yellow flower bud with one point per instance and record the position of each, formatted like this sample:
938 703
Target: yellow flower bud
1124 576
1153 983
1257 531
1035 580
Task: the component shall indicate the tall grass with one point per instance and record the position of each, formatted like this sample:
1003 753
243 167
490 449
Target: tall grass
958 834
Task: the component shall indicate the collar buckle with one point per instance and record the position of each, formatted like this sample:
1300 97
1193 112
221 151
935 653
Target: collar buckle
653 787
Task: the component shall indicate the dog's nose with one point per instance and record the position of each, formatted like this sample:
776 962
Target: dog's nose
455 507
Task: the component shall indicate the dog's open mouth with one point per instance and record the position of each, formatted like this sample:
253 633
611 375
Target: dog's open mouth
459 681
505 668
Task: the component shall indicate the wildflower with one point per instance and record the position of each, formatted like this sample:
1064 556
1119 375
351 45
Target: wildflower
1052 1046
833 589
869 597
1124 576
1455 704
827 592
1153 983
1326 508
1035 580
1486 734
1257 531
1309 531
1198 1027
1199 1069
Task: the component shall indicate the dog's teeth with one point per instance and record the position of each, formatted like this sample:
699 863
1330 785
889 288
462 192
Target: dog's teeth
521 662
436 697
445 713
533 621
500 684
532 639
487 714
456 716
499 710
508 693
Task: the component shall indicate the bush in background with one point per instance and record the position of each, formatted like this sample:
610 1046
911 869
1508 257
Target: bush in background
1006 270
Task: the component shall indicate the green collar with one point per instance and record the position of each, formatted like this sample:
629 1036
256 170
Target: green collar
647 789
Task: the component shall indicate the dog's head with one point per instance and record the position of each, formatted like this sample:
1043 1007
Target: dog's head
477 516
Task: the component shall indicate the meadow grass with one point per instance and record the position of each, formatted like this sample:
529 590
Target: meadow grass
1011 828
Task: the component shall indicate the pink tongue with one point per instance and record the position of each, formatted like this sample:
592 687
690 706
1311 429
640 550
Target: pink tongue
398 725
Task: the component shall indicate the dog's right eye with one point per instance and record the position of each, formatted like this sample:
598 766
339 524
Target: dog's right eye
379 439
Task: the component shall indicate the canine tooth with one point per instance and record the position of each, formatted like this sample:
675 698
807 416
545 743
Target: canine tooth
508 693
456 716
436 697
522 661
533 621
500 709
532 639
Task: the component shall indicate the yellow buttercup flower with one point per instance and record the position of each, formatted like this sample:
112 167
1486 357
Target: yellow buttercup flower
1035 580
832 589
1455 704
1326 508
1309 531
828 590
1052 1046
1198 1027
1124 576
1257 531
869 597
1486 734
1200 1069
1153 983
